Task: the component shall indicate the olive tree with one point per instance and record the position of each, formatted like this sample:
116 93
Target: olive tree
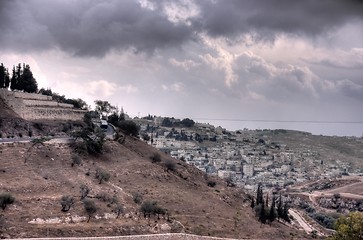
89 207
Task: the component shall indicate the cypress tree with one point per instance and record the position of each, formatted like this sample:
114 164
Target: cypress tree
28 82
285 213
272 213
2 76
14 80
7 79
259 198
253 203
279 208
262 213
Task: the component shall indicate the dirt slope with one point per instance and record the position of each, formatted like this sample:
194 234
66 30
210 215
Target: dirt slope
38 176
6 112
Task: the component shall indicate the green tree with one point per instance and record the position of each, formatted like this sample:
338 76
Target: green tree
349 227
14 80
2 75
253 203
272 214
129 128
149 208
186 122
104 108
280 210
26 81
259 197
90 208
262 213
285 212
5 200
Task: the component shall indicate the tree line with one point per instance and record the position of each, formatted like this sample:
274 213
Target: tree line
21 78
267 213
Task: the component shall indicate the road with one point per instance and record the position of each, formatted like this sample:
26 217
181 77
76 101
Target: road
303 223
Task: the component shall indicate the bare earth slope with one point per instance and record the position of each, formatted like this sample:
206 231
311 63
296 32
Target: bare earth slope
38 176
6 112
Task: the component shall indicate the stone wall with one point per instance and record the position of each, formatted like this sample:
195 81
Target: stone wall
46 103
31 106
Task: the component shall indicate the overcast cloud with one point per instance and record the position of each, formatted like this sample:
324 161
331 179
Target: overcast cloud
251 60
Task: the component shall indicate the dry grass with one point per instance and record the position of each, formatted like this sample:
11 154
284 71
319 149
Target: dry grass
39 183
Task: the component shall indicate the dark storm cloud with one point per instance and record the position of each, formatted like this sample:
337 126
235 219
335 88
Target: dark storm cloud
268 17
87 28
94 27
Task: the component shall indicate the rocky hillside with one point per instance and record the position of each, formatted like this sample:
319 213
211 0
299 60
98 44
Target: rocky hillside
38 175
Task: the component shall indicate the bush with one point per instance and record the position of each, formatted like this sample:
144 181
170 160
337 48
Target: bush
102 175
104 197
149 208
137 197
170 165
211 183
156 157
119 210
84 191
66 202
76 160
6 199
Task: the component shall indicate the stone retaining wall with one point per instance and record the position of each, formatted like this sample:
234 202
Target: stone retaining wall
31 106
29 102
168 236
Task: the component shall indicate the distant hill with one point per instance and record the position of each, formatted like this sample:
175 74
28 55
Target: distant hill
39 175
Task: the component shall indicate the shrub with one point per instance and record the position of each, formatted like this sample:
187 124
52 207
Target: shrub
170 165
137 197
104 197
119 210
156 157
84 191
102 175
211 183
38 126
66 202
76 160
149 208
6 199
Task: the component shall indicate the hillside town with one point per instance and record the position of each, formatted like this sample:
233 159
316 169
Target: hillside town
244 157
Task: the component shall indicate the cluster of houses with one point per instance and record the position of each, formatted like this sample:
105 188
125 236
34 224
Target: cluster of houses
247 157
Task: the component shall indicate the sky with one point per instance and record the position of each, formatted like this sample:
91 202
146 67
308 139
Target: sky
236 63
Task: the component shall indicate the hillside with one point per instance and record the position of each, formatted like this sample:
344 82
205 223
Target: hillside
6 112
39 175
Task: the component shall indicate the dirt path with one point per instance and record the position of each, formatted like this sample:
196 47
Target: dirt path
303 223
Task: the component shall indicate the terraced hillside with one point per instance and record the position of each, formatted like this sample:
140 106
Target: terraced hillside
39 175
